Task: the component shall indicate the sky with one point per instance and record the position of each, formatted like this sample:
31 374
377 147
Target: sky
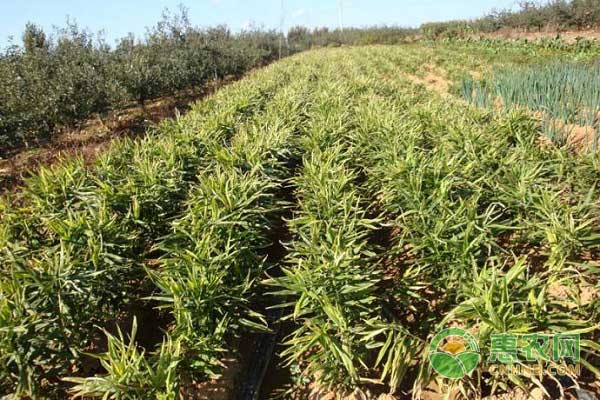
117 18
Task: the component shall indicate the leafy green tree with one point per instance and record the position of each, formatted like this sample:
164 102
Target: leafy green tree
34 38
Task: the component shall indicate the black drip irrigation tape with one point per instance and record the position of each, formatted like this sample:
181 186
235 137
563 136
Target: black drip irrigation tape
261 357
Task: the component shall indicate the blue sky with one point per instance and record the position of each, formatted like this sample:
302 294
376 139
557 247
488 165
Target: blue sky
119 17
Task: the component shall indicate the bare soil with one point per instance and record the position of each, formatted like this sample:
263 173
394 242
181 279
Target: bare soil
222 388
434 79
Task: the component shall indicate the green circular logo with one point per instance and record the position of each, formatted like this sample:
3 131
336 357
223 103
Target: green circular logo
454 353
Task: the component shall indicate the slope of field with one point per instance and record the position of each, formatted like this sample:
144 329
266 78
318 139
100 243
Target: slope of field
403 210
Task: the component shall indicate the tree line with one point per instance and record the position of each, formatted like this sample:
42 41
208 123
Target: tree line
52 81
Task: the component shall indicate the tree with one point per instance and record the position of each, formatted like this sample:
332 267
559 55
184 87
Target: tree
34 38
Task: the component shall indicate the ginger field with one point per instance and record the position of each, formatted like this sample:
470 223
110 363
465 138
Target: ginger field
350 203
